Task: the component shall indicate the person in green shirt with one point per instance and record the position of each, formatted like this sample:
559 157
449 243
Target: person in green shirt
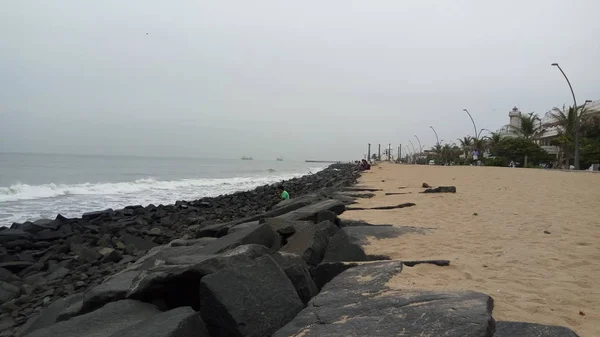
282 193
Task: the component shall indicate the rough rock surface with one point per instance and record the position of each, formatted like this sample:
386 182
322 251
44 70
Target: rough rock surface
310 243
521 329
253 300
358 303
180 322
298 272
105 321
311 212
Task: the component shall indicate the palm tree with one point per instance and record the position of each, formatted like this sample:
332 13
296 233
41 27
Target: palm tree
530 128
466 144
493 140
565 120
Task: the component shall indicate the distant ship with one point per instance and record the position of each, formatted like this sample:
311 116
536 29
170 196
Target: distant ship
246 158
279 158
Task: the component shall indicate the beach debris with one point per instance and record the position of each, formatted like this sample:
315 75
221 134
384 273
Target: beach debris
547 232
581 313
406 204
425 185
441 189
383 181
440 263
362 189
397 193
401 187
475 214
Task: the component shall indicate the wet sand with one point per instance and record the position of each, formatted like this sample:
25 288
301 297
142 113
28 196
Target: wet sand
502 251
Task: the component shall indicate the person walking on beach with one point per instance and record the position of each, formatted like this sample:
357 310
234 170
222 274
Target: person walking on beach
282 193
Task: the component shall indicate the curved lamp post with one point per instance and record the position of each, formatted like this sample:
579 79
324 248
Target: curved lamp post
436 136
474 127
413 147
420 147
576 117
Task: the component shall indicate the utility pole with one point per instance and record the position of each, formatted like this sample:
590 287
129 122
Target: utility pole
369 154
379 153
389 152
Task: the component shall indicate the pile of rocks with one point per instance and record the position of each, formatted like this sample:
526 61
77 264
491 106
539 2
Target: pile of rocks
294 270
44 260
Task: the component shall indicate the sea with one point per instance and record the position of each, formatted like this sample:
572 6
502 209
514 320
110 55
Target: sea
34 186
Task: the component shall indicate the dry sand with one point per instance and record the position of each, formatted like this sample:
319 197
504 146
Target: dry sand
503 251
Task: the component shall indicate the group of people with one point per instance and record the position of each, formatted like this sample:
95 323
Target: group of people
364 165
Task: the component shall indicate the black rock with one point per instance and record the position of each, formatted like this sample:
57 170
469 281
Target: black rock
297 271
441 189
261 234
358 303
112 289
14 234
8 291
179 322
93 215
84 253
520 329
310 212
253 300
327 271
15 266
137 242
310 243
327 216
55 312
348 244
106 321
7 276
177 282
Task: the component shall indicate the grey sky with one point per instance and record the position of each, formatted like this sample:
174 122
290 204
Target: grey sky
310 79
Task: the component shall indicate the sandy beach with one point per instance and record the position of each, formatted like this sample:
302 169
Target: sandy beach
493 232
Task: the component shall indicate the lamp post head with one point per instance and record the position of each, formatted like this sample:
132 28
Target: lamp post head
554 64
588 101
465 110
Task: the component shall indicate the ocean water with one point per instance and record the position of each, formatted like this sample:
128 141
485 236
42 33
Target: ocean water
34 186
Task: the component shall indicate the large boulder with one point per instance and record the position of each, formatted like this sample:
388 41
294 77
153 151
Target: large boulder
349 243
520 329
112 289
310 243
176 282
179 322
251 300
260 234
58 311
358 303
8 292
311 212
298 272
8 235
104 322
138 243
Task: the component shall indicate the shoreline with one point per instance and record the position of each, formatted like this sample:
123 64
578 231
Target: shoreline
525 237
31 202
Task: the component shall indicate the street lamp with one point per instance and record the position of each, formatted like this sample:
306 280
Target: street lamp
474 127
436 136
413 146
480 131
576 117
420 147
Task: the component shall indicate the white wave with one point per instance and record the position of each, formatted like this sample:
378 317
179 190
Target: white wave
204 187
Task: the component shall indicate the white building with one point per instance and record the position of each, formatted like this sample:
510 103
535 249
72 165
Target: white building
548 122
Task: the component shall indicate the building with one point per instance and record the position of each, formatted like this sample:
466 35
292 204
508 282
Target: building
548 122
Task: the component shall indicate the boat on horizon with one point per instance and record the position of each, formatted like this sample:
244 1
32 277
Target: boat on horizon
246 158
279 158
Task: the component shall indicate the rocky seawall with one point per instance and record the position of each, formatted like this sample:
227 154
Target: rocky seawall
234 265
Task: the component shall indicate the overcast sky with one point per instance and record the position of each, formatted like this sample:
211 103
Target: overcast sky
304 79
